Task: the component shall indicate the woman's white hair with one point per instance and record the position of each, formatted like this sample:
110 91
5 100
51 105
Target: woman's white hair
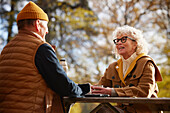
142 46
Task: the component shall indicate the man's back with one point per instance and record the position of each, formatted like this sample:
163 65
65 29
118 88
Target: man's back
21 86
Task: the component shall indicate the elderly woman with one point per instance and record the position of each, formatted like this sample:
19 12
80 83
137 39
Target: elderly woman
134 74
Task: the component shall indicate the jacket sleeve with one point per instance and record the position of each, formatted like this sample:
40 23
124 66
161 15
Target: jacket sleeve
53 73
105 81
145 84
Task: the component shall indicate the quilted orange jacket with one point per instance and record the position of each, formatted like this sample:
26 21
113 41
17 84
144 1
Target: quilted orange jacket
22 88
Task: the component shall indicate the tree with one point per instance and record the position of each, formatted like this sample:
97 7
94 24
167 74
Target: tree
82 30
141 14
7 17
144 15
71 24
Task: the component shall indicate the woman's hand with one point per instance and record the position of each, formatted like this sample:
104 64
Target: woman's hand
100 90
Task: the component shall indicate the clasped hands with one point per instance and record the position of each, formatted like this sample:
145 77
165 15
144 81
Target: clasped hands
97 89
100 90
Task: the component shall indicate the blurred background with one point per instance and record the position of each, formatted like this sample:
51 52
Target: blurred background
81 31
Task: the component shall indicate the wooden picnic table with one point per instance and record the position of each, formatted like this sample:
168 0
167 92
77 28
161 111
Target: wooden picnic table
155 104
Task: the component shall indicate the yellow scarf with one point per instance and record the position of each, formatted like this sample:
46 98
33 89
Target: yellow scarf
119 67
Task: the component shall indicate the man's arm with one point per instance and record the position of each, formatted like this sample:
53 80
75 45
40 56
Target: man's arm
49 67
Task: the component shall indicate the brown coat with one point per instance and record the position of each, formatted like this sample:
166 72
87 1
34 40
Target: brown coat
22 88
139 82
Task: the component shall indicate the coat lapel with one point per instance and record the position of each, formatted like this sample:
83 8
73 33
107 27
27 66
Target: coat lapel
119 67
132 65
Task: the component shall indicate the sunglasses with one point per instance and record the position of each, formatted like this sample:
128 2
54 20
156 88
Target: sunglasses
123 40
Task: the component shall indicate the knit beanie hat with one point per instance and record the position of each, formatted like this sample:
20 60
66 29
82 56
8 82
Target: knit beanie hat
32 11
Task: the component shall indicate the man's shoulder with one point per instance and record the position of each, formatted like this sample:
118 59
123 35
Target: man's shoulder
44 49
44 45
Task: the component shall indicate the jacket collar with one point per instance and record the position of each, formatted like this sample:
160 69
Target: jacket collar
119 67
32 33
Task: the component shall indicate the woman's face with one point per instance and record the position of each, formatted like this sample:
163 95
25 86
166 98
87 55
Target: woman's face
126 46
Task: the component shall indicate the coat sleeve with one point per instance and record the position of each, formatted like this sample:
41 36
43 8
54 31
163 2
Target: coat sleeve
105 81
49 67
145 85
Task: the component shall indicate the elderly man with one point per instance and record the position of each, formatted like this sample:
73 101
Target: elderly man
31 78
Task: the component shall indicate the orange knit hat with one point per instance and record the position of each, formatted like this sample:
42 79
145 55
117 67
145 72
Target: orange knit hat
32 11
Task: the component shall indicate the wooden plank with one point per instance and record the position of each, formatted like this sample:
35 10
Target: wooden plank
118 100
153 103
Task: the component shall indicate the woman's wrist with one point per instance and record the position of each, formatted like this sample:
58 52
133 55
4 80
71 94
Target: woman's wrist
113 93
